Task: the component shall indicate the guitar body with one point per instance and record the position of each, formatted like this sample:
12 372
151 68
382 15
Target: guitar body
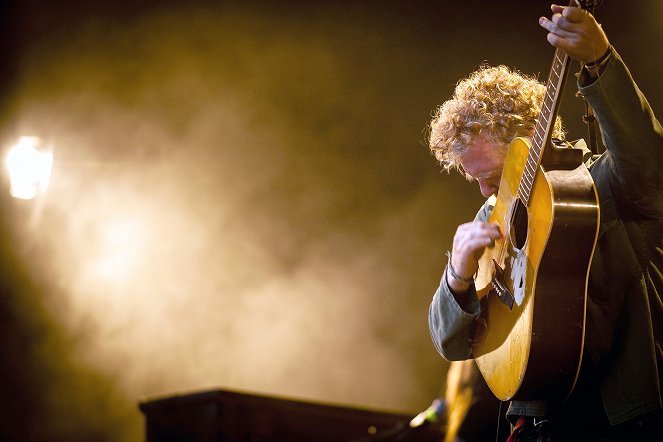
529 339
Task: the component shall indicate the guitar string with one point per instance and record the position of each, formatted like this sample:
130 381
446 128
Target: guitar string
532 163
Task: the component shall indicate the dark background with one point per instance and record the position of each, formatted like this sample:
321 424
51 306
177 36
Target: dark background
242 196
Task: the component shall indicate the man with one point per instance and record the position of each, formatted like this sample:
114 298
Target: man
618 394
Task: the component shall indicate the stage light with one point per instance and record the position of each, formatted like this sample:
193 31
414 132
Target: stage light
29 163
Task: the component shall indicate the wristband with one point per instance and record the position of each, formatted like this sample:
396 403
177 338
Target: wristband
455 275
603 59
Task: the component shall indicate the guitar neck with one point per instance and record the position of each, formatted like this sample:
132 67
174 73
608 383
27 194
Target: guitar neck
546 122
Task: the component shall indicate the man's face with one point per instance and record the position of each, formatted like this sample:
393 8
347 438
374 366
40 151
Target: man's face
483 162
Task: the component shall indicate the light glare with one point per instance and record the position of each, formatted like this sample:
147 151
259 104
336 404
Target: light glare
29 168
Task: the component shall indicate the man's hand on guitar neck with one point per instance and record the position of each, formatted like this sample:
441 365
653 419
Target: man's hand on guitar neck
576 31
470 240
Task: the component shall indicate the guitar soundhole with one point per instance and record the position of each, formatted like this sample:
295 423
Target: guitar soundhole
519 224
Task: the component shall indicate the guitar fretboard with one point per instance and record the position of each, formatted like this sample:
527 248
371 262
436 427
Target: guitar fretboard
545 123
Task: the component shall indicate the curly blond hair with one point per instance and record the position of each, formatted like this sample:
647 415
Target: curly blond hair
496 103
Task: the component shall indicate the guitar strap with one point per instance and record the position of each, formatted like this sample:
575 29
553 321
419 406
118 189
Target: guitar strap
590 120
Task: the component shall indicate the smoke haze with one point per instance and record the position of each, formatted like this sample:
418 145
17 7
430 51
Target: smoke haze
242 198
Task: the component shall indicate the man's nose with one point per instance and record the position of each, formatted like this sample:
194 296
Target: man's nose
487 188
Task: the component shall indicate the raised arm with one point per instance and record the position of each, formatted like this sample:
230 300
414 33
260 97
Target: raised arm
631 132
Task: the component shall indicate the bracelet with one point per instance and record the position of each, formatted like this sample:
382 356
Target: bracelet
455 275
603 59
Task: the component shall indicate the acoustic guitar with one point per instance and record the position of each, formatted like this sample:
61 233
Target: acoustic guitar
528 341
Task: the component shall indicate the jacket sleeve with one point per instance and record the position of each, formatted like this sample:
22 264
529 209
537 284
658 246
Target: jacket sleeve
451 317
633 138
451 321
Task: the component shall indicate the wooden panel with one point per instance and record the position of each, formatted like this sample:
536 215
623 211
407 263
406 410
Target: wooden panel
221 415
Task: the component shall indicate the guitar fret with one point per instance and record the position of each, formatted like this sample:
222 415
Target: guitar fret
527 190
554 71
528 179
540 135
529 168
536 149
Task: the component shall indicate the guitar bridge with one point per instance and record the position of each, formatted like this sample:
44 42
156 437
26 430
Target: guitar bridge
500 288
